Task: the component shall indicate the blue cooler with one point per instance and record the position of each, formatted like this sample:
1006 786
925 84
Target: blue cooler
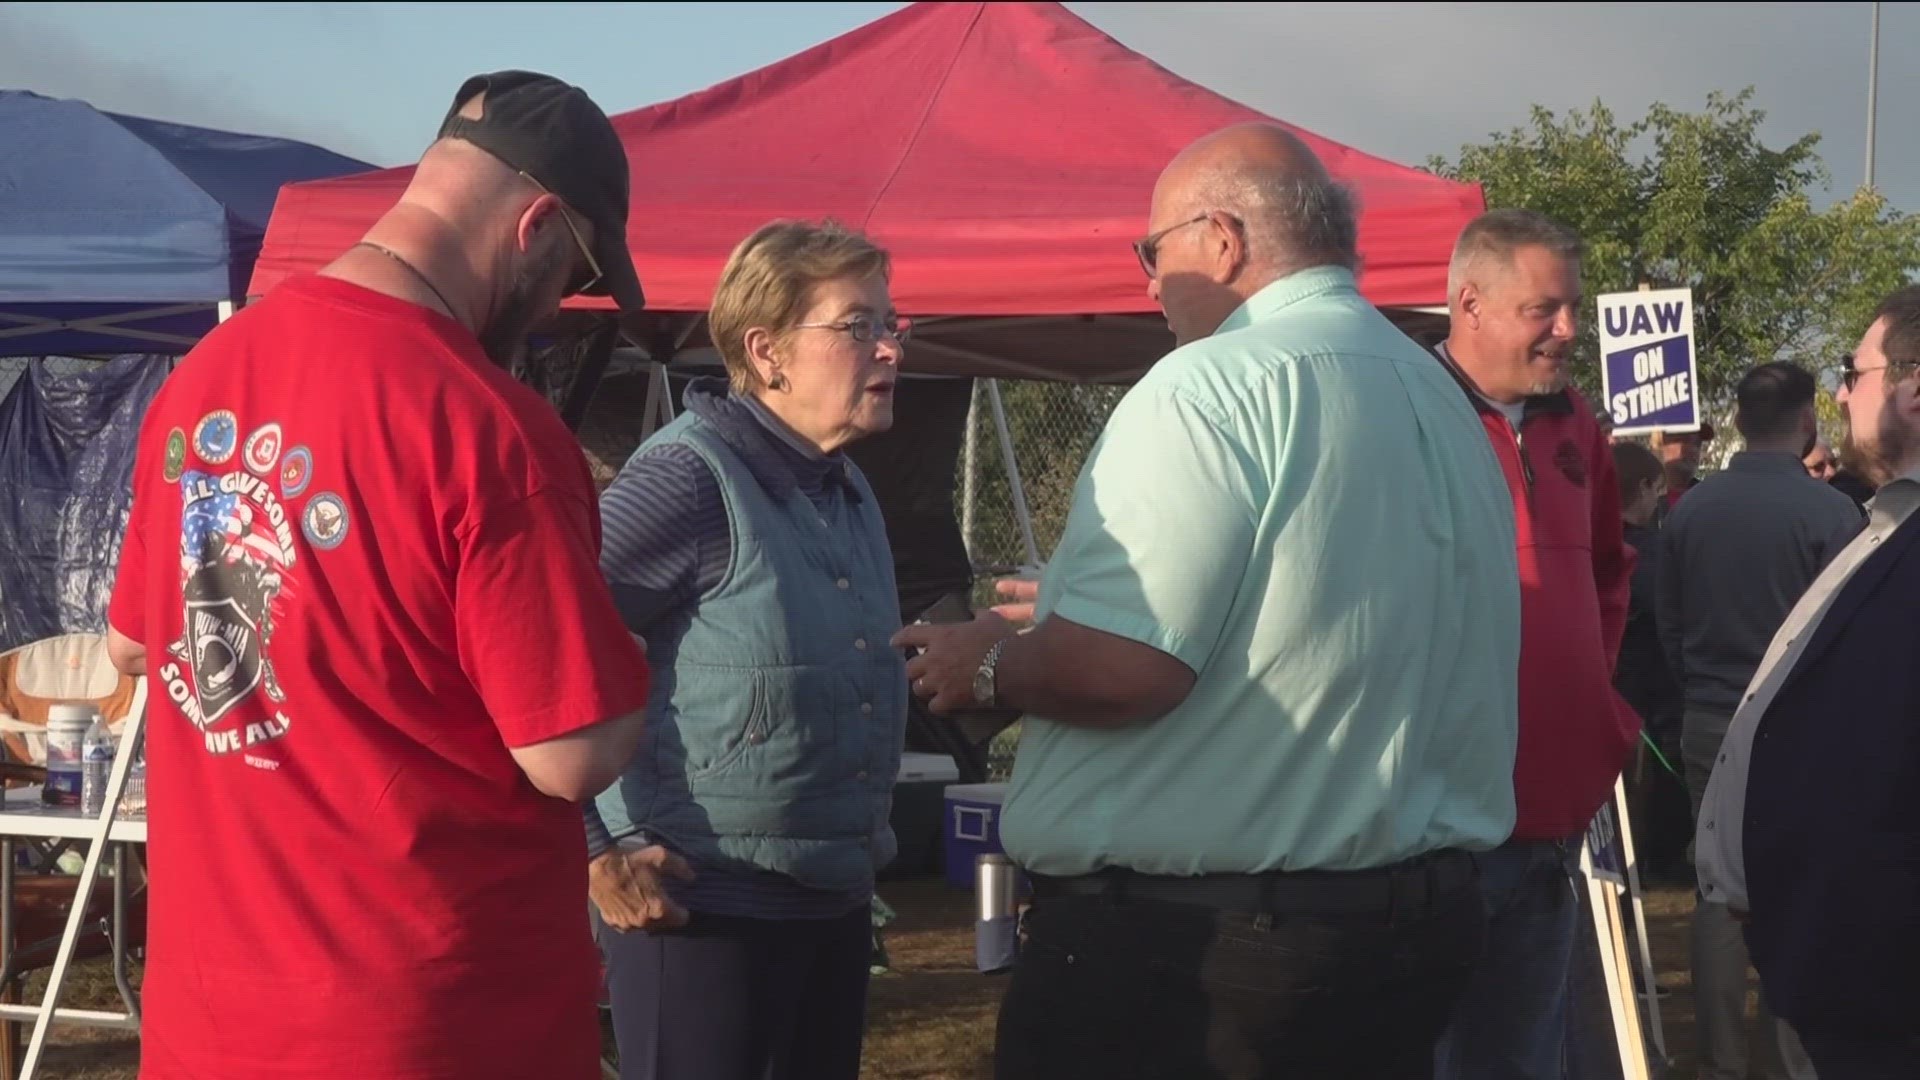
971 828
919 811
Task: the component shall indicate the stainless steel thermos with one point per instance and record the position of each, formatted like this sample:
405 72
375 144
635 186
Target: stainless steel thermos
996 929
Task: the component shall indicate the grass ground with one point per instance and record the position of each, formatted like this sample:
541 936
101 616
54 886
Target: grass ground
932 1016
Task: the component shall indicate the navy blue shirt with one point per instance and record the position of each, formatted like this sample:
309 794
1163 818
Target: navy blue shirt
665 541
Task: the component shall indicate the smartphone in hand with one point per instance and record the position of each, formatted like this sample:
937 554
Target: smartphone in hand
977 725
951 608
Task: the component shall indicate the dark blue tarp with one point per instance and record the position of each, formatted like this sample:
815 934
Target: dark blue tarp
67 437
126 215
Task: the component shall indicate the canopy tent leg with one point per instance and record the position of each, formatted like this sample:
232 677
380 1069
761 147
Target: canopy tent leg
1021 514
969 461
658 411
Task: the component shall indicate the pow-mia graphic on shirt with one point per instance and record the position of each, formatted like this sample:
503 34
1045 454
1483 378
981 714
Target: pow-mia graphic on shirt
236 556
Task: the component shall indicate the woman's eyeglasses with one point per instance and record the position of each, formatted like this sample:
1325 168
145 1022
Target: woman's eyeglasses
866 329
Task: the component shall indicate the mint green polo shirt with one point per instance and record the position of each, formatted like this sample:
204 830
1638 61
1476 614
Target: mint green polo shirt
1305 510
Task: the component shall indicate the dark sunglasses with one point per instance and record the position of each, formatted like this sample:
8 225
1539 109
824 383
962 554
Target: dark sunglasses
591 274
1850 375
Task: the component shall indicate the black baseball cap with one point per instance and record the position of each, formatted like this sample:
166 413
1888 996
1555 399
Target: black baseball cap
554 133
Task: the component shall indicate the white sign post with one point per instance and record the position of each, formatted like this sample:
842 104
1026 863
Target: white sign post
1649 369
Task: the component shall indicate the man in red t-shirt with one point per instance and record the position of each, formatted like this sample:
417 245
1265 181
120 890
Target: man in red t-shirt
361 574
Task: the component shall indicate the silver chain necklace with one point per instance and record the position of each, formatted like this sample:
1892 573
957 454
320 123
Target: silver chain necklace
415 271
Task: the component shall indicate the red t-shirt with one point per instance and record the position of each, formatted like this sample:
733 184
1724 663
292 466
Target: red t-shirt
363 561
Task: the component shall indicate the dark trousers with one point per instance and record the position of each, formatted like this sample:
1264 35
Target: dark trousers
1720 959
728 998
1510 1023
1662 817
1138 989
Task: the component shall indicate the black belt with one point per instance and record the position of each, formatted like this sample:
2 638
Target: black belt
1402 886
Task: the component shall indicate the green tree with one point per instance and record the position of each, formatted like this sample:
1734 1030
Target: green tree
1698 200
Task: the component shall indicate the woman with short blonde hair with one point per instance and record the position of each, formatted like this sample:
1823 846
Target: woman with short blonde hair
747 550
769 279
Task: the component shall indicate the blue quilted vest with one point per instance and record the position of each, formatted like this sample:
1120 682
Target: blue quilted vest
778 709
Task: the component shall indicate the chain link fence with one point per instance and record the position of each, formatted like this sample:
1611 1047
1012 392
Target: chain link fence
1050 428
13 367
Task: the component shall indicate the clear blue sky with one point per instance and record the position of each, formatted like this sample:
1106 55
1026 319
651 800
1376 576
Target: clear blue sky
1399 80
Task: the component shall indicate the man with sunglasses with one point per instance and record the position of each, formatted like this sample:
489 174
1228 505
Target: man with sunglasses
1808 824
1269 695
361 571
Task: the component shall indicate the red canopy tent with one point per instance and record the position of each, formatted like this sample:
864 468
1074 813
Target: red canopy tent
1005 154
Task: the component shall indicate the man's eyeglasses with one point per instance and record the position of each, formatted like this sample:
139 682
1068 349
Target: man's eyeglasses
1850 375
566 215
1148 247
865 328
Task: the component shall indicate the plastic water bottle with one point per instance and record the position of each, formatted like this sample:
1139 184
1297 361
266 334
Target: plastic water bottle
133 798
96 764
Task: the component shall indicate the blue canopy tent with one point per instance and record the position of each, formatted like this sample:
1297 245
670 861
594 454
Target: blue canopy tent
118 232
121 239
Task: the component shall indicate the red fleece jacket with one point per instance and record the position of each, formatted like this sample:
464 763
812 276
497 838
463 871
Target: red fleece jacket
1576 570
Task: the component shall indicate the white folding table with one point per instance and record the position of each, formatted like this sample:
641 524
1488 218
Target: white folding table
24 816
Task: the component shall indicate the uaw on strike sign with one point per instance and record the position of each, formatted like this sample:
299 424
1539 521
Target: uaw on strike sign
1647 361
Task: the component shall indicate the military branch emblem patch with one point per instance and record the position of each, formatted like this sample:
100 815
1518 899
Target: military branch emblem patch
214 437
262 449
296 471
176 456
325 521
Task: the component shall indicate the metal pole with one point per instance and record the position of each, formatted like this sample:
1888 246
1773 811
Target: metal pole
969 461
1873 88
1020 512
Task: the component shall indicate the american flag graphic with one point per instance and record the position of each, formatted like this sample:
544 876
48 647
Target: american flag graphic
203 520
234 526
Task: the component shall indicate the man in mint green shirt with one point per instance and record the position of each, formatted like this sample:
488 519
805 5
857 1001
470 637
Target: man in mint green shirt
1271 691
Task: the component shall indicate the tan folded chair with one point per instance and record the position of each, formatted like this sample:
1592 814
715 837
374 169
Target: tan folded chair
68 668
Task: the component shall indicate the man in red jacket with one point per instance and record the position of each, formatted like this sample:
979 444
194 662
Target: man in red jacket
1513 293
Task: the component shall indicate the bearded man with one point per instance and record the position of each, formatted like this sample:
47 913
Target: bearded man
1808 825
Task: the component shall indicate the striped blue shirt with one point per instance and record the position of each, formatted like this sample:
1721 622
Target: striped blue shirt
665 541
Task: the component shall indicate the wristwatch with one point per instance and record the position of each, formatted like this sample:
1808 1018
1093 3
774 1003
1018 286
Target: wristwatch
984 691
